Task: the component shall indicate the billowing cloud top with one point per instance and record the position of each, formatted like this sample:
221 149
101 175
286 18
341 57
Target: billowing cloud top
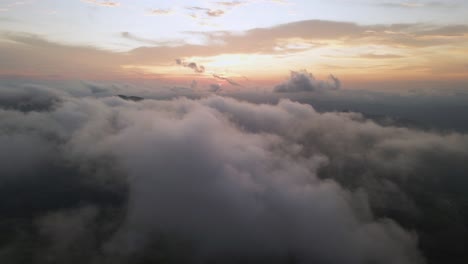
214 179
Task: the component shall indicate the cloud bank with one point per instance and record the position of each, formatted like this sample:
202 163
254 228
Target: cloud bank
210 179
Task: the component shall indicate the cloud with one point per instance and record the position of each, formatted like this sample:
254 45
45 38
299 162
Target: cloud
28 98
192 65
158 12
304 81
380 56
231 3
215 13
22 53
418 4
193 84
212 179
214 88
229 80
25 52
103 3
216 179
130 36
209 12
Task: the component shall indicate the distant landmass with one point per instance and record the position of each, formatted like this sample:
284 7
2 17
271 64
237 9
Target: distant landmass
131 97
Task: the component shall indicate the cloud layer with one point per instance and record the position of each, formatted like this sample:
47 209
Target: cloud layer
211 179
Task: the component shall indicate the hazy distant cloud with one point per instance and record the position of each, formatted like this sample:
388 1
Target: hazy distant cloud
447 31
231 3
417 4
207 11
407 39
214 88
215 13
8 20
158 11
229 80
402 4
303 81
27 98
192 65
102 3
130 36
380 56
25 51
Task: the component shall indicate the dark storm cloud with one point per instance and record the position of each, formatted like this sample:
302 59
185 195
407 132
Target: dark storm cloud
303 81
214 178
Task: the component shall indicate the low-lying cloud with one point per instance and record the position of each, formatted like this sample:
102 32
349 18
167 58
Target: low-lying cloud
211 179
303 81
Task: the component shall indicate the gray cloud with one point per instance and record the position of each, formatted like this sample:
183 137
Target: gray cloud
214 88
194 84
130 36
192 65
29 97
304 81
229 80
218 179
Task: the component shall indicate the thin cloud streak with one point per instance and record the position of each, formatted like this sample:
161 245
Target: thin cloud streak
102 3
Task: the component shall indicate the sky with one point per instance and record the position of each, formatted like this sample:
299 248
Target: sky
257 42
248 131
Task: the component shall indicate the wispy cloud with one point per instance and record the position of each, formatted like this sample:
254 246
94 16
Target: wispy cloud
102 3
167 43
229 80
231 3
158 12
192 65
380 56
417 4
209 12
369 43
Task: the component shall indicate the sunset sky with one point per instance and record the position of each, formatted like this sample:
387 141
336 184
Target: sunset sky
245 131
253 42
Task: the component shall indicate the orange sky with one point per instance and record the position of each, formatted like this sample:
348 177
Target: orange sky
355 52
